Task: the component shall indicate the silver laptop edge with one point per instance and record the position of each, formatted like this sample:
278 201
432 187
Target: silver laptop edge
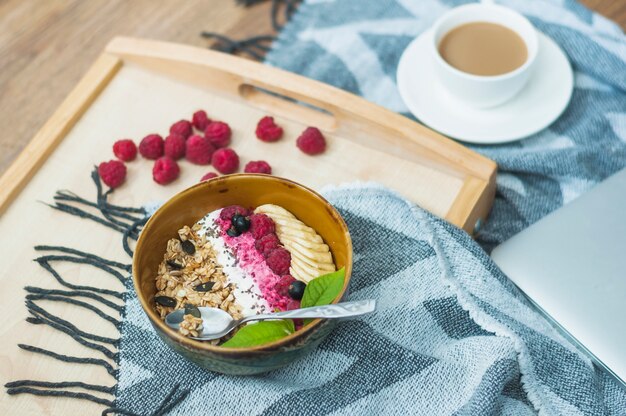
571 265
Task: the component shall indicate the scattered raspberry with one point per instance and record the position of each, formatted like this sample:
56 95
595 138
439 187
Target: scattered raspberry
298 323
200 120
227 213
174 146
267 130
266 244
279 260
218 133
207 176
225 161
182 127
125 150
260 225
291 305
311 141
199 150
112 173
151 146
165 170
282 286
258 166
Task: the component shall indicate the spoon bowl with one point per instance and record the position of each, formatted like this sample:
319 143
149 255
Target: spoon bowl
215 322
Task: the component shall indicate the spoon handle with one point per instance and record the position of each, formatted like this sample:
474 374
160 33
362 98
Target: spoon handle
339 310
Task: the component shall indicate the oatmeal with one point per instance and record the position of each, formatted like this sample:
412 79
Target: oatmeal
190 326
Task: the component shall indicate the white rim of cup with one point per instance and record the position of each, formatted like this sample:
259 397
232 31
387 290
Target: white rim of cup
534 40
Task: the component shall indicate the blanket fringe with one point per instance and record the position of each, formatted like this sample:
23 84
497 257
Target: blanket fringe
115 217
175 396
254 46
74 293
69 359
58 393
126 220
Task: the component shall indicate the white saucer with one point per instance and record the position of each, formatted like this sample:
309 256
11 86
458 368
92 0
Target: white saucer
542 100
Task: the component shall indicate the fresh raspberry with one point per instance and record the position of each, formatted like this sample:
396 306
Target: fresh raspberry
225 161
208 175
267 130
291 305
258 166
218 133
182 127
151 146
165 170
266 244
279 260
227 213
281 287
260 225
199 150
311 141
125 150
200 120
112 173
174 146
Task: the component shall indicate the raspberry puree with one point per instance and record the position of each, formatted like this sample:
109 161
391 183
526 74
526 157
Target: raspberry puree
253 263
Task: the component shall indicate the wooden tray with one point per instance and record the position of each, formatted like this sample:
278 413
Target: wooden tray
154 83
138 87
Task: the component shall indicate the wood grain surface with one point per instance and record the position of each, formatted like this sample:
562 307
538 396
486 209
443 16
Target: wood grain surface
47 45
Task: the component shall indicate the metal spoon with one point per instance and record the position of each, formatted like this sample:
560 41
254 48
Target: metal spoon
216 323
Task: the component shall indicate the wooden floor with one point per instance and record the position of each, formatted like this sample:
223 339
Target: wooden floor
46 45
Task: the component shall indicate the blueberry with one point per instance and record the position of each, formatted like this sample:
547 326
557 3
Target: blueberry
296 290
232 231
241 223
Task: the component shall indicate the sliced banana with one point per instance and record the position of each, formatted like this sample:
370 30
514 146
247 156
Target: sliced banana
314 258
310 257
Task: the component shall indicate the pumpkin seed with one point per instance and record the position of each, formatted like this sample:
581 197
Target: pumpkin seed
173 265
165 301
192 310
188 247
204 287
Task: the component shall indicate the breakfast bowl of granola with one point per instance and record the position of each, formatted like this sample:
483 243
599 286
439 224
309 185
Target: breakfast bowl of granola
246 244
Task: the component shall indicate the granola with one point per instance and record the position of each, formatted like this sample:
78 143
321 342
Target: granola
183 276
190 326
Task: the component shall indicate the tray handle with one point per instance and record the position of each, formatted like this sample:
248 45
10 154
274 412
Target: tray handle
290 106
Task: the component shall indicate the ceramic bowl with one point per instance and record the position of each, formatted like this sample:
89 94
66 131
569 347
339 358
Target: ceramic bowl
249 190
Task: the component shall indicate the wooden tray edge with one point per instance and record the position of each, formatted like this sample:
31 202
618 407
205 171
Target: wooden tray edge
335 100
54 130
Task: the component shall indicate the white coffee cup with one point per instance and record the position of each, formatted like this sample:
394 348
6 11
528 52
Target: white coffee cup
484 91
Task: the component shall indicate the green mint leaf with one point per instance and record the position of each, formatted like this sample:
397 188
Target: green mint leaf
260 333
324 289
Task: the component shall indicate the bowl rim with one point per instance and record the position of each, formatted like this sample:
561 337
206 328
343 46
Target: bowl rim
200 345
